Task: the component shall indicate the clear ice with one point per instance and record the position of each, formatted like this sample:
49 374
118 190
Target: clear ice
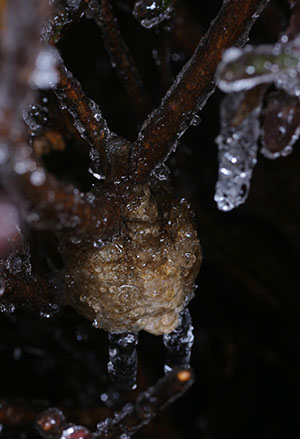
122 364
179 343
150 13
237 153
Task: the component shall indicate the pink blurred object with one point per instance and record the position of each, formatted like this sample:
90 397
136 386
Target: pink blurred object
9 225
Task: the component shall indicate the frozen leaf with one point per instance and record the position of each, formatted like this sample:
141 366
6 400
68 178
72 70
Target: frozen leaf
237 146
242 69
281 125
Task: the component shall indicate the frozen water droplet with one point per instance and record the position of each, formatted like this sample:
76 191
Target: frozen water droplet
237 153
162 172
196 120
38 177
76 432
7 308
50 422
179 343
96 175
122 364
79 126
45 74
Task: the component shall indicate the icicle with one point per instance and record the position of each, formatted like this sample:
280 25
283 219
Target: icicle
122 364
179 343
237 153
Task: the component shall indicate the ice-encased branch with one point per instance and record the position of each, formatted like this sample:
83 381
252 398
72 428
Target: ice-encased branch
194 84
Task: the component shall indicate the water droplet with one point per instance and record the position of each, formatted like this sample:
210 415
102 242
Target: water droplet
45 74
38 177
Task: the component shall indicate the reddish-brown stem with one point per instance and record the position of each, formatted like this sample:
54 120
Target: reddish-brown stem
21 412
132 417
56 206
87 117
121 57
193 86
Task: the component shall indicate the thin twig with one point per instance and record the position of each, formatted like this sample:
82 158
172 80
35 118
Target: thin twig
50 203
86 114
193 86
121 57
132 417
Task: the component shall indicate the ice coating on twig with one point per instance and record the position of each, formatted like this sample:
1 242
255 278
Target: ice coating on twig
150 13
122 364
237 153
132 417
179 343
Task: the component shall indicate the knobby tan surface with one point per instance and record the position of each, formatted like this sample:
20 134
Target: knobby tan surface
143 277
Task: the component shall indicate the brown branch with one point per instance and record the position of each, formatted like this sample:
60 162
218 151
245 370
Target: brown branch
86 114
121 57
193 86
132 417
50 203
22 412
